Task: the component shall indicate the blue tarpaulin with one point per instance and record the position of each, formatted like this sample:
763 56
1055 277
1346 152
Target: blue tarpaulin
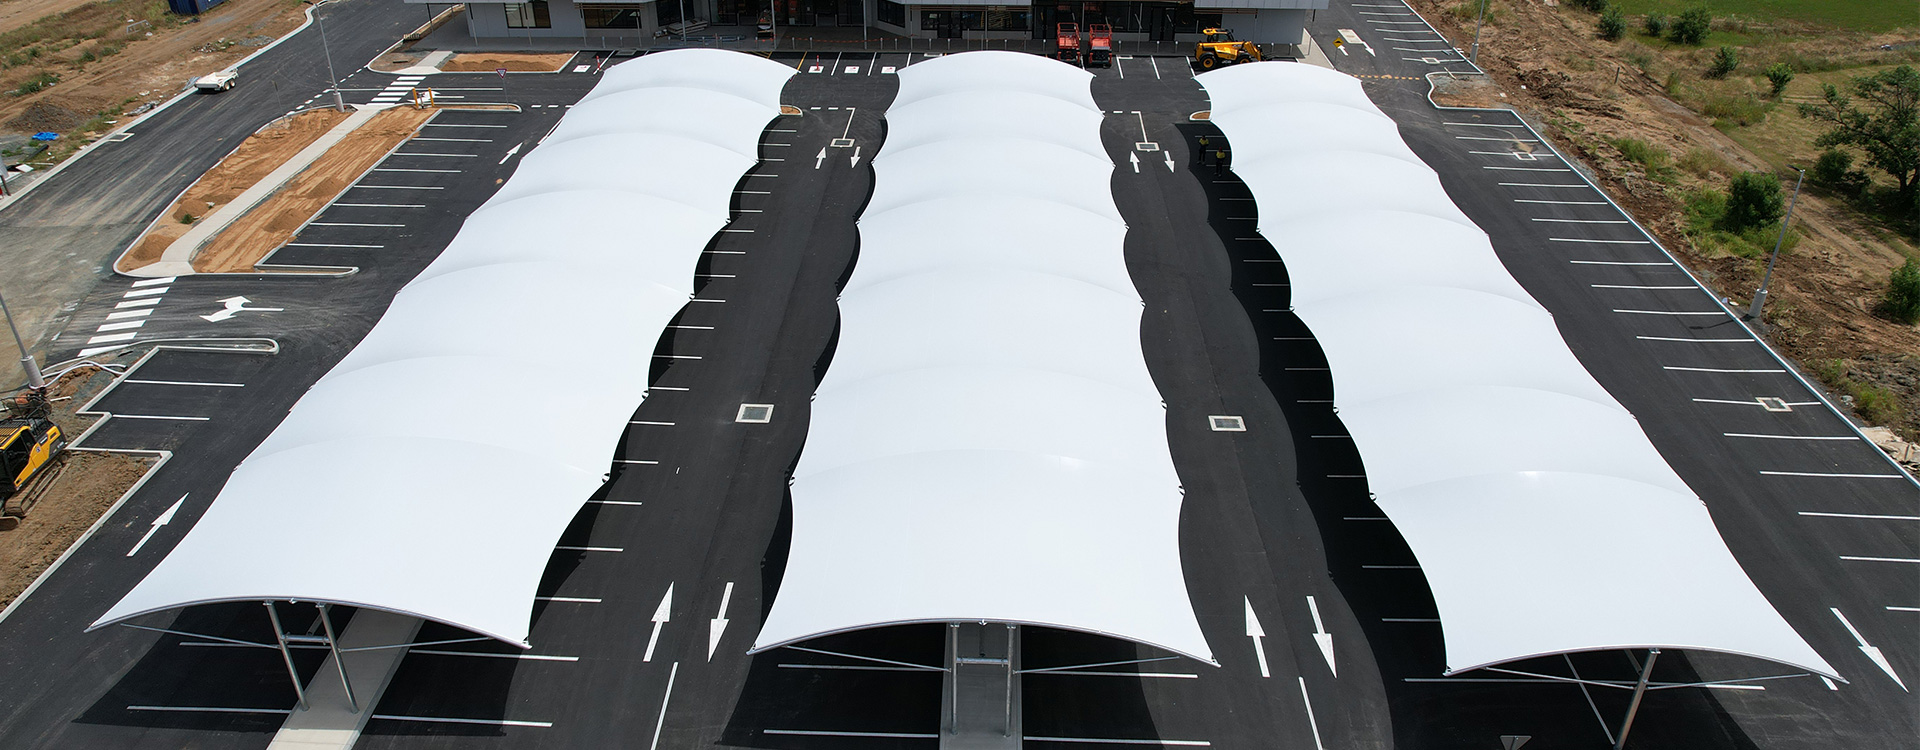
45 136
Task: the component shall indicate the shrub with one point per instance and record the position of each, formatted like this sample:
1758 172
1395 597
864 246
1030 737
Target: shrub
1901 302
1832 167
1779 74
1656 24
1612 26
1724 62
35 84
187 218
1653 158
1702 162
1592 5
1691 27
1753 200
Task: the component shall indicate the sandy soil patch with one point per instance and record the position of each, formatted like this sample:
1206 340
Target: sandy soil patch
256 156
273 222
85 489
483 62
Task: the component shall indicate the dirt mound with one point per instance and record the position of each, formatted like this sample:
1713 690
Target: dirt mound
49 114
512 61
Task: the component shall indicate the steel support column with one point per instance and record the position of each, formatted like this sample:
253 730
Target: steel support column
280 637
1639 692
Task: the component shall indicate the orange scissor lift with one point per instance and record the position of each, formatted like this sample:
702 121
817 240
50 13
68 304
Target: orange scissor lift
1099 45
1066 42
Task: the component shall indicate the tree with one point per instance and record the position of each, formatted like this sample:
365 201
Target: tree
1724 62
1901 302
1779 74
1887 130
1691 27
1612 26
1753 200
1656 24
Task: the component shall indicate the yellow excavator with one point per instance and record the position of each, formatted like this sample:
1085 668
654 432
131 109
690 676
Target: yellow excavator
1219 48
30 447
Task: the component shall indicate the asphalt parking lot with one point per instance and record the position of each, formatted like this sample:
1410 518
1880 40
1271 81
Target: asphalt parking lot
652 596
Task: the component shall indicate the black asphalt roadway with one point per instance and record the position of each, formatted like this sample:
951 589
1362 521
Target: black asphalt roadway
1276 523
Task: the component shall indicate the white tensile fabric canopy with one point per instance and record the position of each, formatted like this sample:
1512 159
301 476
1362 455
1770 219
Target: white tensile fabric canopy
1543 518
397 482
987 443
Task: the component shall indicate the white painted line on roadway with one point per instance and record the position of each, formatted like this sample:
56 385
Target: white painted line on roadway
1478 124
826 733
617 502
148 292
701 299
667 388
1490 138
130 314
676 356
522 657
1600 242
1671 312
111 337
137 303
1585 221
1694 341
570 599
1582 185
656 424
662 722
458 125
400 187
1712 369
1620 263
725 252
575 548
1111 741
699 328
1654 288
382 205
738 231
450 720
121 326
1827 475
1788 437
1532 169
1753 402
1516 154
1903 609
1856 558
162 281
1560 203
334 244
157 416
456 140
211 709
185 382
1863 516
423 171
352 224
1312 724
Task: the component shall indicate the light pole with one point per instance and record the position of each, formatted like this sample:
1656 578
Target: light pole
1760 297
338 102
34 379
1474 56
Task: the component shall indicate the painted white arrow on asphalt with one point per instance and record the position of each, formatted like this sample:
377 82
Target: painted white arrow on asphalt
164 519
856 157
1256 633
235 306
718 624
661 616
1169 160
1135 160
820 158
510 153
1872 651
1322 637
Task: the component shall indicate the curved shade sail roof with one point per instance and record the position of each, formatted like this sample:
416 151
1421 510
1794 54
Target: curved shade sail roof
987 444
393 484
1448 375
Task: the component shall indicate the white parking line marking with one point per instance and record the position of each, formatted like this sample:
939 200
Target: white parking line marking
185 382
111 337
1694 341
1865 516
147 292
1480 124
351 224
382 205
1788 437
1585 221
330 244
422 171
1600 242
658 725
1831 475
137 303
449 720
1490 138
157 416
1619 263
457 125
129 314
1532 169
1710 369
570 599
572 548
400 187
1671 312
1856 558
163 281
656 424
522 657
1754 403
1903 609
1580 185
211 709
1312 724
1651 288
1560 203
454 140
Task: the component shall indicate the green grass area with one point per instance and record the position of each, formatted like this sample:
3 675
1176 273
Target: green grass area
1862 15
